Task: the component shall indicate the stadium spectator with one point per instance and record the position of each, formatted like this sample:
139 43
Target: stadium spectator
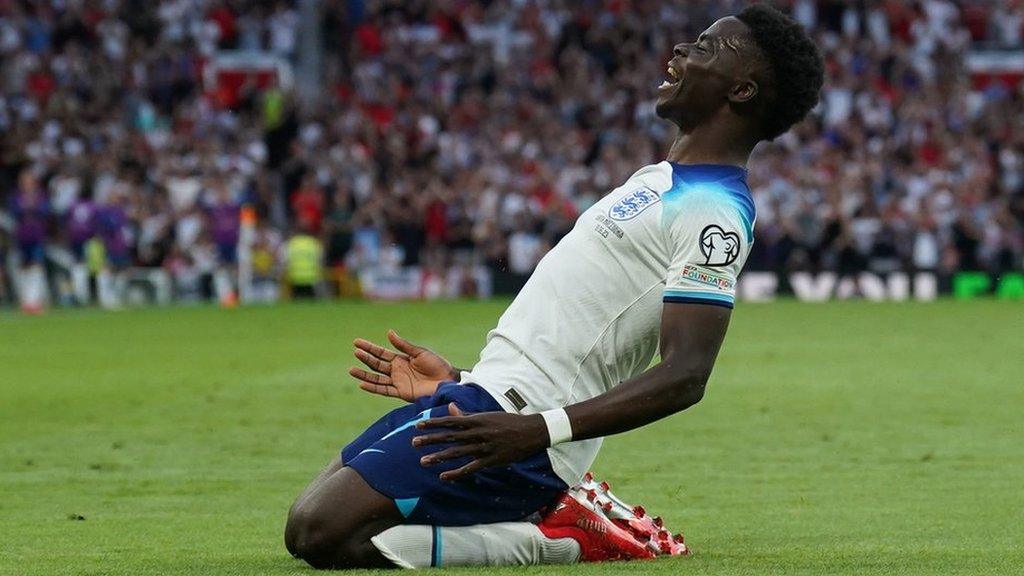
80 227
112 230
31 210
304 265
223 215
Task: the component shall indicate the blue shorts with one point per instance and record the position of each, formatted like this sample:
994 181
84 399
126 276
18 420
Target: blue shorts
78 250
119 259
32 253
227 253
386 459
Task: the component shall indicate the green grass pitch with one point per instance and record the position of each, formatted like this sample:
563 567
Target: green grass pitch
846 438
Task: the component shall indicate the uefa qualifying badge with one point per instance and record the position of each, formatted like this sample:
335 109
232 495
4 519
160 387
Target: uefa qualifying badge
720 248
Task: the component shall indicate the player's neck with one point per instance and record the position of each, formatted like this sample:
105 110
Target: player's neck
712 143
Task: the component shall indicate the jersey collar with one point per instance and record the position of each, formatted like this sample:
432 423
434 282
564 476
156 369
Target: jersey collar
708 172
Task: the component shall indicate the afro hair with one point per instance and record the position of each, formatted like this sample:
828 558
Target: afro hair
794 62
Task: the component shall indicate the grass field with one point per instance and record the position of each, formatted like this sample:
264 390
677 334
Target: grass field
834 439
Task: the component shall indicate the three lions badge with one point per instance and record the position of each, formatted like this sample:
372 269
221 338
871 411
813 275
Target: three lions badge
632 204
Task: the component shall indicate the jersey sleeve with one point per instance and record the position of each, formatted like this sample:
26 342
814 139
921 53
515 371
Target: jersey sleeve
708 239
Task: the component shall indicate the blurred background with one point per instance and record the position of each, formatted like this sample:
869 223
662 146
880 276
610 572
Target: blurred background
250 151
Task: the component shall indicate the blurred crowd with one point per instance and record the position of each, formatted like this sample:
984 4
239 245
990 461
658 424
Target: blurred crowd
456 132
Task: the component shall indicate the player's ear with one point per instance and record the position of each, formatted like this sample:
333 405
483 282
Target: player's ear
743 91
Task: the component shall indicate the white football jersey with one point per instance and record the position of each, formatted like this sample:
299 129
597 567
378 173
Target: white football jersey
589 316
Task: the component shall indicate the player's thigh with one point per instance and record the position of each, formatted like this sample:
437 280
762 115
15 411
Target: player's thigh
324 474
382 427
392 466
306 530
332 526
291 530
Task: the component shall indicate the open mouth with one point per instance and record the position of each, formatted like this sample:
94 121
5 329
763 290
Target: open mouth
672 78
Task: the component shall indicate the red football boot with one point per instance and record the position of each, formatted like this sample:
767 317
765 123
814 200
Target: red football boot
635 519
599 538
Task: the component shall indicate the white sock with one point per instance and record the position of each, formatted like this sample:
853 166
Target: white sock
502 544
223 286
33 287
106 288
28 287
42 287
25 287
120 287
80 283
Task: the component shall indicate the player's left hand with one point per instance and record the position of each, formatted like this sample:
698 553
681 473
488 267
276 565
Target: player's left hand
411 373
490 438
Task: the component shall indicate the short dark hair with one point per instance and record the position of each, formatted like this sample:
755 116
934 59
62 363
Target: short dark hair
795 65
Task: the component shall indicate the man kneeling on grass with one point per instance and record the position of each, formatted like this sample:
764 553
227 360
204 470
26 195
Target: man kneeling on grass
487 466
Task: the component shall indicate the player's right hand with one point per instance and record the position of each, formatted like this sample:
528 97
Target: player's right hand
410 373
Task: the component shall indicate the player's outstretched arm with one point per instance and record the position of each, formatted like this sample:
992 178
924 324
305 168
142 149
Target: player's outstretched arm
410 373
691 335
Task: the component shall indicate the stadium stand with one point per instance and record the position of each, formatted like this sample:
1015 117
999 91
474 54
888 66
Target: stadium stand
467 136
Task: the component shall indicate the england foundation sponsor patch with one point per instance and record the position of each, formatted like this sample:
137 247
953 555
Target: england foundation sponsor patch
707 277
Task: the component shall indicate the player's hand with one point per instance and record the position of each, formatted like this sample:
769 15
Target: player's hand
489 438
410 373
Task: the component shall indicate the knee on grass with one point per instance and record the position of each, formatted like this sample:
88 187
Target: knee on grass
308 538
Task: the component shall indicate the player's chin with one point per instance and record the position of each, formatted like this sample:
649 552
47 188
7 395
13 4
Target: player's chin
667 109
670 96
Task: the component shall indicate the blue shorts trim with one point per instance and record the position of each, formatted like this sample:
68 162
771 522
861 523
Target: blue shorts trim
386 459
